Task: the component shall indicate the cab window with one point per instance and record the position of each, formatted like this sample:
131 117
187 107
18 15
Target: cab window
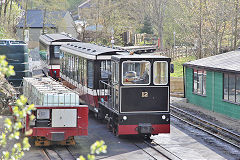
137 73
160 73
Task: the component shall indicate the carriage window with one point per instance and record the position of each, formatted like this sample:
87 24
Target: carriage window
57 51
80 70
76 69
136 73
115 71
85 72
90 74
105 69
160 73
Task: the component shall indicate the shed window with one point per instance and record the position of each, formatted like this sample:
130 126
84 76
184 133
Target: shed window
231 87
199 82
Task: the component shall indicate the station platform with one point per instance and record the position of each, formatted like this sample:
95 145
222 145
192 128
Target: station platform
184 146
214 117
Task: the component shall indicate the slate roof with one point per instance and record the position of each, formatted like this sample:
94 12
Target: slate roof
226 62
94 28
85 4
35 18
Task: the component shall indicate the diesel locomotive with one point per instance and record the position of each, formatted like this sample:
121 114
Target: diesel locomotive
130 92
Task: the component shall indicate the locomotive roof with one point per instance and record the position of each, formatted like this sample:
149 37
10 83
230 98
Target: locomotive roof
137 56
229 62
49 38
89 50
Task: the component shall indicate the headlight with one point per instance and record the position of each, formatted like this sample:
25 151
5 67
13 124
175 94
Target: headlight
124 118
43 114
163 117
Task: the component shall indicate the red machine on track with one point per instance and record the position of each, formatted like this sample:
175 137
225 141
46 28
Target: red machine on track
58 115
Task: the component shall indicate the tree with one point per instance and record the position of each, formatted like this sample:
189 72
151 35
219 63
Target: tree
147 26
158 17
9 15
11 132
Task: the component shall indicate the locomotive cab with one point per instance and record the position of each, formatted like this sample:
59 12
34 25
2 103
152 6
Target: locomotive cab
137 101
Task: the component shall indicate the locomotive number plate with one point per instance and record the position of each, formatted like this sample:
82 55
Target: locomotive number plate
144 94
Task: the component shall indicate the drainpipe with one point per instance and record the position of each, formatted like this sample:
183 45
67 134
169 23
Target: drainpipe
184 90
213 79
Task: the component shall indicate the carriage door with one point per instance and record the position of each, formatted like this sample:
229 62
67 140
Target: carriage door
115 85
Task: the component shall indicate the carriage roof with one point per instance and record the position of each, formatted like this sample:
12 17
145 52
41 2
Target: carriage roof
50 38
89 50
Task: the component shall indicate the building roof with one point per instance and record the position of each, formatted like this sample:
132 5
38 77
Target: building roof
35 18
85 4
94 28
226 62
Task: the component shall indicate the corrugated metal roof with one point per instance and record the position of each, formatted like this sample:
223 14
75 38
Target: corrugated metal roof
35 18
229 61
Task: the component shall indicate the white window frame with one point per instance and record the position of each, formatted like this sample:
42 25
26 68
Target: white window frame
137 84
154 72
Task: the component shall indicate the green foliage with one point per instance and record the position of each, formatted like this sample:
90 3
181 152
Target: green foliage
12 126
96 148
73 4
8 20
4 68
178 68
147 26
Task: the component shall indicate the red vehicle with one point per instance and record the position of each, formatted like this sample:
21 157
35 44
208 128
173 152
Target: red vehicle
49 45
58 115
131 92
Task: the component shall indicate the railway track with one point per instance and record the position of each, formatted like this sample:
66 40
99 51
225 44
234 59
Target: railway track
150 150
58 153
206 126
156 151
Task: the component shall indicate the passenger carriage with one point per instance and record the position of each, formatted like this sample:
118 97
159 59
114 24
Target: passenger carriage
83 65
49 45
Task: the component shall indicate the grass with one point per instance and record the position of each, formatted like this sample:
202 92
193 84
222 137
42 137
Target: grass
178 68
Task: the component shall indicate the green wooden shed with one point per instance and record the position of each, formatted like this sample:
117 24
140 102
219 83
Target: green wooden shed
214 83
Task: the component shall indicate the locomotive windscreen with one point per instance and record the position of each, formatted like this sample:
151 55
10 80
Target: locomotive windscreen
144 99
